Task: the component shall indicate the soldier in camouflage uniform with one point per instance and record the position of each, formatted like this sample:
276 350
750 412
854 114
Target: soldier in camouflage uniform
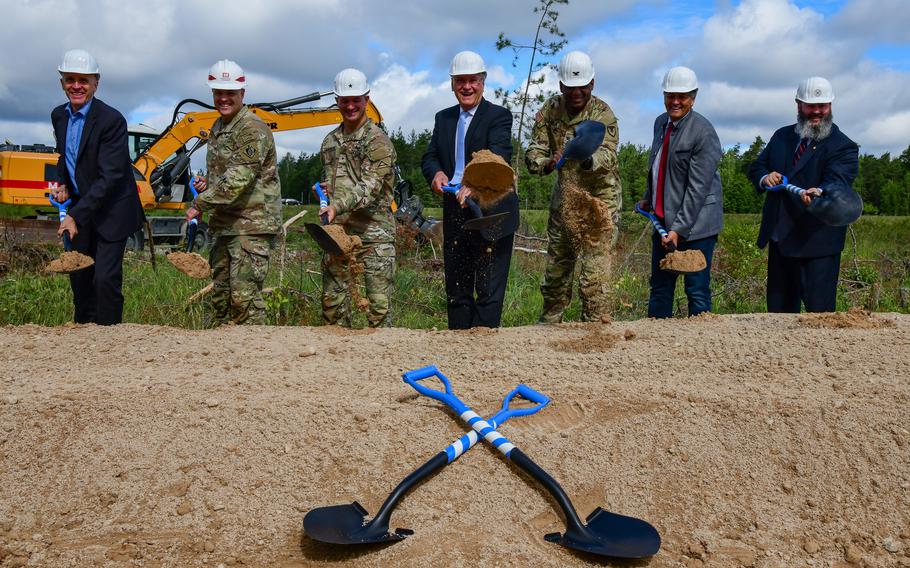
357 160
243 198
599 175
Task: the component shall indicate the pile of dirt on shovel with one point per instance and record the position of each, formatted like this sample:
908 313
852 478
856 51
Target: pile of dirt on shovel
684 261
69 262
345 242
489 176
587 218
191 264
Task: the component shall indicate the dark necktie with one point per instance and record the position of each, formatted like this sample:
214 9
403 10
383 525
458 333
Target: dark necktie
803 144
661 173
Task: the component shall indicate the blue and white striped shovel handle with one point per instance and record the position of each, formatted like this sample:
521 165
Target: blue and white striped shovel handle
654 221
481 427
785 185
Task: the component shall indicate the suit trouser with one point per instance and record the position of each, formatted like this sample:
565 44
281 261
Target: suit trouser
473 263
663 283
811 280
97 295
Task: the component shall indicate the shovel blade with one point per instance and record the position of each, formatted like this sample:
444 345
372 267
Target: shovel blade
612 535
323 239
346 524
589 134
485 222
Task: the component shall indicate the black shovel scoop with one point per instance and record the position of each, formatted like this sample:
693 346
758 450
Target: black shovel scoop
589 135
605 534
322 238
479 222
347 524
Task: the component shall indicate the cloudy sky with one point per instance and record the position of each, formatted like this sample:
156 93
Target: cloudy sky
748 54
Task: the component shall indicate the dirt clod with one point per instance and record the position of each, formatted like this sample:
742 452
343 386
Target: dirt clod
489 177
682 261
191 264
69 262
854 318
348 244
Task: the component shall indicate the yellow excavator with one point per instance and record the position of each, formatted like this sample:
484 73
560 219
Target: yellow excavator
161 162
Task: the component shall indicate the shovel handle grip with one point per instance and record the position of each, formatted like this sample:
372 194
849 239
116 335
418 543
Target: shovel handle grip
451 188
414 377
560 163
323 202
61 207
465 443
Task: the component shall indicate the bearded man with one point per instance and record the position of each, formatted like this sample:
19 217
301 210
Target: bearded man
803 250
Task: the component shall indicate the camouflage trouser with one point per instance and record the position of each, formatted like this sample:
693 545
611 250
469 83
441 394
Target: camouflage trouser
593 273
378 261
239 265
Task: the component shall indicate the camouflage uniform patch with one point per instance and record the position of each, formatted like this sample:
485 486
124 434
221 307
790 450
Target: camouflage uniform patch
244 207
552 129
243 196
359 170
239 266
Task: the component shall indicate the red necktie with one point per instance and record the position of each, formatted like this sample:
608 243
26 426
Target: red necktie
661 172
803 144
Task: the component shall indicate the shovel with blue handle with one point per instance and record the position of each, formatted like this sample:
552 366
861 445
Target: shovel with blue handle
61 210
657 226
347 524
605 534
835 207
479 221
322 238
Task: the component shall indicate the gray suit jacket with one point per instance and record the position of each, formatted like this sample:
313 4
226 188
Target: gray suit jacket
693 197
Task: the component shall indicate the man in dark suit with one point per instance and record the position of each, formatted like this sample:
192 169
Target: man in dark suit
804 252
475 261
685 193
95 171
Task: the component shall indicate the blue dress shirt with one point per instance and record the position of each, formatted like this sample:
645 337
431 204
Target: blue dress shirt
73 137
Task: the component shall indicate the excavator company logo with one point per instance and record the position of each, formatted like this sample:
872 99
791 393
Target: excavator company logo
273 125
52 185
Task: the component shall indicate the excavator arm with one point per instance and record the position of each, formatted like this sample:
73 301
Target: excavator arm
156 169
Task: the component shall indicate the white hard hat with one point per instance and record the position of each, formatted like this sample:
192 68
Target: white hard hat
576 69
467 63
350 83
680 80
79 61
815 90
227 76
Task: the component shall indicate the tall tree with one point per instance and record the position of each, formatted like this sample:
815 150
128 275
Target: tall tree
548 41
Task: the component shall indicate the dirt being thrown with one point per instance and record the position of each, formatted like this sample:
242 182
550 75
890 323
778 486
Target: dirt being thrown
854 318
69 262
489 176
683 261
587 218
191 264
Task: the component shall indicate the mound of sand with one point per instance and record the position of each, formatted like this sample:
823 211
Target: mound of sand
191 264
854 318
155 446
69 262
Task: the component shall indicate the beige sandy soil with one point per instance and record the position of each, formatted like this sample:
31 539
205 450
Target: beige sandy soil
750 440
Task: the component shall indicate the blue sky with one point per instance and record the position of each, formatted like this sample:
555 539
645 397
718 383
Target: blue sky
748 54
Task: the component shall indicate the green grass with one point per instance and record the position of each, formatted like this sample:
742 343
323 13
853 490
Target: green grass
874 278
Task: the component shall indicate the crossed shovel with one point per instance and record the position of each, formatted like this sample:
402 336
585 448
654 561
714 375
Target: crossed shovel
605 534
